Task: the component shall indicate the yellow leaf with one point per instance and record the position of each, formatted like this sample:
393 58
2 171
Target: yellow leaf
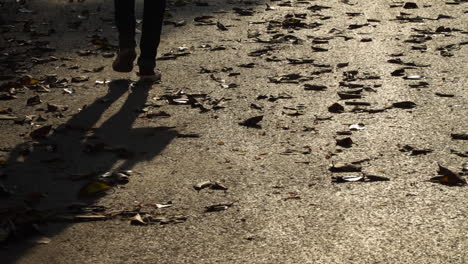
94 187
29 81
33 82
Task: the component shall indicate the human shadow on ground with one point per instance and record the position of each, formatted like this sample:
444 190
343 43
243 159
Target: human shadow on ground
45 173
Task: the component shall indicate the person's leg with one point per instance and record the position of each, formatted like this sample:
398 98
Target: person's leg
151 34
125 22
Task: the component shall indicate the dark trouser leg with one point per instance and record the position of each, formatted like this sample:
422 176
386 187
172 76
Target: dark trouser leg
151 33
125 22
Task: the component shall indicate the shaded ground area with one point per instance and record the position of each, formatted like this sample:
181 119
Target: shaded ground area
287 132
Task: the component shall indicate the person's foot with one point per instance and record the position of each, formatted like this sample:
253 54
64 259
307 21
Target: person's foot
152 76
124 60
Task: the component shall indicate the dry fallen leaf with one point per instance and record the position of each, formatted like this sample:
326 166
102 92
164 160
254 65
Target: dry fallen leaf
348 178
202 185
137 220
160 206
8 117
459 136
42 240
344 142
41 132
35 100
404 105
217 207
209 184
94 187
448 177
336 108
375 178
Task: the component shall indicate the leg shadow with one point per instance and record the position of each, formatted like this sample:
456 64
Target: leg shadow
46 174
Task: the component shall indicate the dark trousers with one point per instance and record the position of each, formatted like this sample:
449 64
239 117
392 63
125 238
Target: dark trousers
151 30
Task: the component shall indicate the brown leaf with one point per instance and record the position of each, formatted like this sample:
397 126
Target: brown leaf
345 142
404 105
56 108
448 177
336 108
209 184
218 207
459 136
41 132
375 178
35 100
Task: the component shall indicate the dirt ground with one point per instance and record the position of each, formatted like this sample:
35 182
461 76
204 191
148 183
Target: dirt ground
282 132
